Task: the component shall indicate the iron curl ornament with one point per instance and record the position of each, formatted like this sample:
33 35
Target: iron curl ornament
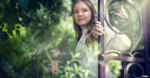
131 59
125 16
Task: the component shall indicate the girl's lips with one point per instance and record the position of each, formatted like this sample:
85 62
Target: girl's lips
81 19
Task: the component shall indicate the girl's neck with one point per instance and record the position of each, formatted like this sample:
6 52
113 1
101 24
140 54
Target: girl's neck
83 27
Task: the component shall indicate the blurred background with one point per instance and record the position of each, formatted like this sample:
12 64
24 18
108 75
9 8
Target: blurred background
35 33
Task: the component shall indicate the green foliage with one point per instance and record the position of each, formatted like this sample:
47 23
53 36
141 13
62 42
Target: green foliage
31 32
115 67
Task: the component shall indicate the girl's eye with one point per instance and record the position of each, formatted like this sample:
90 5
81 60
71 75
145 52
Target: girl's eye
85 10
75 12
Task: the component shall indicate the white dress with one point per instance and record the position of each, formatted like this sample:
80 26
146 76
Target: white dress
86 52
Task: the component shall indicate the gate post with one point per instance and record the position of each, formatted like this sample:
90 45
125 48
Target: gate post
101 67
146 23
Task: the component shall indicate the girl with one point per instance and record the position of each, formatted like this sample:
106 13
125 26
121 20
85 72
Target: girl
84 16
87 31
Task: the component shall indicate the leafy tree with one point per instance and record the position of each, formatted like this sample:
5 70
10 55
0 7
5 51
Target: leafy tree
30 32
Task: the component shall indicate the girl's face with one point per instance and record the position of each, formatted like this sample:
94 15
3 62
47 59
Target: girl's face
81 14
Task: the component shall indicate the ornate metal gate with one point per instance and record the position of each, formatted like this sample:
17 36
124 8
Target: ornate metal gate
121 13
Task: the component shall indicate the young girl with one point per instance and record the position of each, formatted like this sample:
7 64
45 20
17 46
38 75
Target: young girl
87 31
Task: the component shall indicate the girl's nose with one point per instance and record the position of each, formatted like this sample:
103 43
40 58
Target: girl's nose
80 13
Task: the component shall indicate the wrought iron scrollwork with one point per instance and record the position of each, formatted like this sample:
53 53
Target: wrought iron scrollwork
120 12
133 59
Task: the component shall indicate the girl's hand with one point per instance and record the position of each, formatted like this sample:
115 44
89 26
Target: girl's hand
97 30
